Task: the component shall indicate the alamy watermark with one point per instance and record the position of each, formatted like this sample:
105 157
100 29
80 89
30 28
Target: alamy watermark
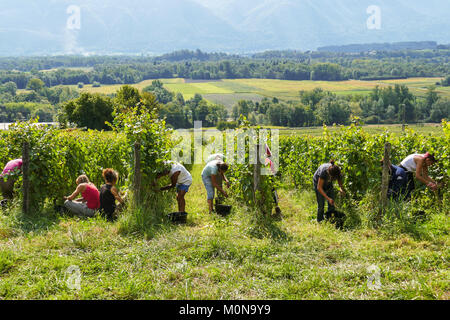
74 19
73 275
374 20
233 144
374 279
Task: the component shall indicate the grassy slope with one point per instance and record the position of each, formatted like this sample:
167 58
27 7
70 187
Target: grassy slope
240 257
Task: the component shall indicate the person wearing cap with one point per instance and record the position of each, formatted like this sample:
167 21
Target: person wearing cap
8 177
417 165
180 178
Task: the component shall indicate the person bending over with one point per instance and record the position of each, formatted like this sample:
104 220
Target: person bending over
9 177
417 165
323 186
212 175
180 179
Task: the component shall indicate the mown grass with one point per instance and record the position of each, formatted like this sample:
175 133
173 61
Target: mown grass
243 256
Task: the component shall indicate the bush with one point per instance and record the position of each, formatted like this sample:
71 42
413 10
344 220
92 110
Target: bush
224 125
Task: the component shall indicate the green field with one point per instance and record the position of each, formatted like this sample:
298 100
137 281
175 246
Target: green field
240 257
229 91
425 129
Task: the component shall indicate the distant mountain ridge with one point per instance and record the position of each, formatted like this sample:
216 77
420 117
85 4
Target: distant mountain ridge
30 27
396 46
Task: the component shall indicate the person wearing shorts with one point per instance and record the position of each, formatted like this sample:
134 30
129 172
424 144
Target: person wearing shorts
212 175
180 179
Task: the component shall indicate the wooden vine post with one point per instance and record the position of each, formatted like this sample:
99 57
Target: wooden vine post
257 177
137 173
385 178
26 177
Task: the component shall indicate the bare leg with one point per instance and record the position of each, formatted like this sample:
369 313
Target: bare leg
181 201
210 205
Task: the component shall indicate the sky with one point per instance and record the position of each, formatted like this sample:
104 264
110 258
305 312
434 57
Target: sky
30 27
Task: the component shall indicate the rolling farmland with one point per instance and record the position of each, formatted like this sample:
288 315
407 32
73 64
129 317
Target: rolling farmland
229 91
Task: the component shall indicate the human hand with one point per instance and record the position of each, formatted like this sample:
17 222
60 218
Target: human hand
331 201
432 186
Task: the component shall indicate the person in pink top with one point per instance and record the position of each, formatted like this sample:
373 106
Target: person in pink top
89 203
9 177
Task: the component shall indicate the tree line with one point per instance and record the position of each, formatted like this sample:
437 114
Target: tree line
313 108
39 101
285 65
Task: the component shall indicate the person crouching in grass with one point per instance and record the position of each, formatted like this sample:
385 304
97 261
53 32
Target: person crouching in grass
90 201
109 194
179 178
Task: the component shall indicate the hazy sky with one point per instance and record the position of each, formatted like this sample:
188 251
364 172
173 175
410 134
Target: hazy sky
137 26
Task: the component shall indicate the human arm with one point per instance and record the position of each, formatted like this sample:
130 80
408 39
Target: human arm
225 179
80 189
173 180
422 174
216 185
341 186
116 195
322 192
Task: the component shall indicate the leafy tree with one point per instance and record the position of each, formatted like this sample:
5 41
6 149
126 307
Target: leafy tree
431 96
174 115
332 110
440 110
10 87
279 114
312 98
301 116
162 94
89 110
326 71
35 84
446 82
126 98
180 99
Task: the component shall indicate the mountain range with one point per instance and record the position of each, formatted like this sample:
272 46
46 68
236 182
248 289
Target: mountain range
30 27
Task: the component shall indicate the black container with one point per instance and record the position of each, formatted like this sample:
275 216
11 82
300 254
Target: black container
336 217
223 210
177 217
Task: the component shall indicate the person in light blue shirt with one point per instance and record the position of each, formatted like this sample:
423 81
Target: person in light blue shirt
212 175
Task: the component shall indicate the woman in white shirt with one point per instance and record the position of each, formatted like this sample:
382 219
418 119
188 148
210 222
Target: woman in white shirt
417 165
181 179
